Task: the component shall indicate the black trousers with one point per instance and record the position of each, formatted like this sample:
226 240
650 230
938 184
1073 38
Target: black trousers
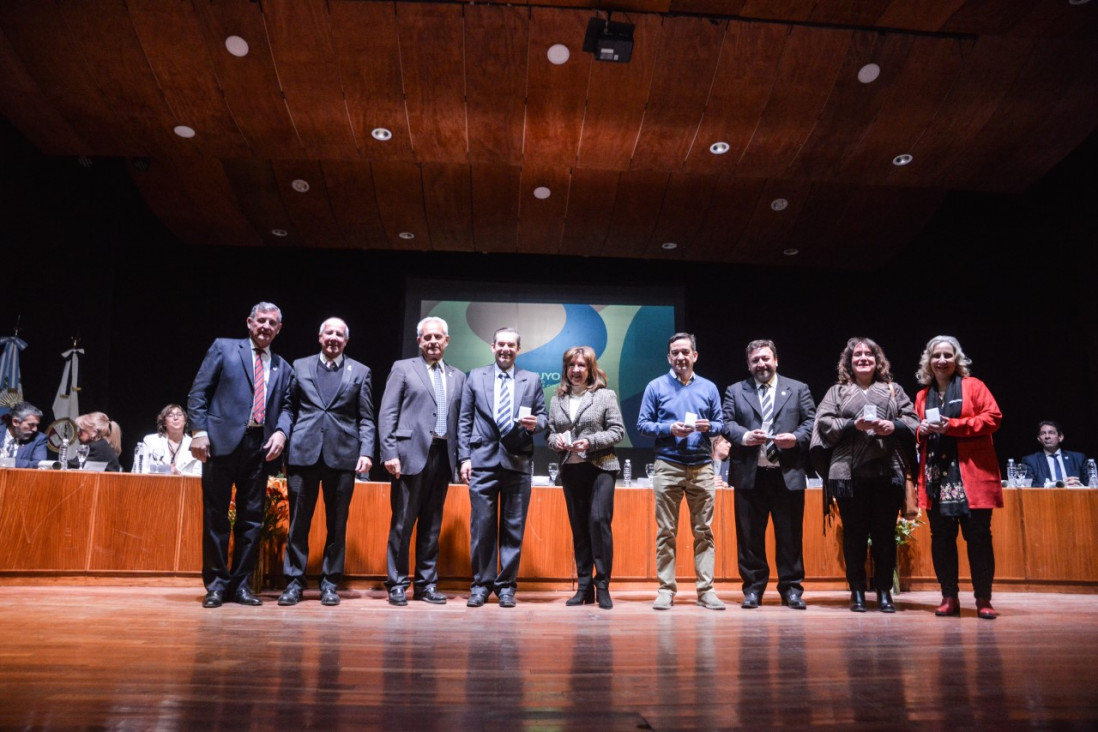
976 528
498 502
769 498
246 468
416 502
589 496
304 483
870 514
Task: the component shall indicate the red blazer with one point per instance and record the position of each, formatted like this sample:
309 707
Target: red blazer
980 417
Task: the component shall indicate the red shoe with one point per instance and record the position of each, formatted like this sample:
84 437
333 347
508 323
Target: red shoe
950 606
985 610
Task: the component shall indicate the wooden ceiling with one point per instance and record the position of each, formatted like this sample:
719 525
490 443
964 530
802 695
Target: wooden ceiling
984 95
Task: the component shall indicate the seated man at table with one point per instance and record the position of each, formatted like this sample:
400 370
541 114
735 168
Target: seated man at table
22 440
1053 466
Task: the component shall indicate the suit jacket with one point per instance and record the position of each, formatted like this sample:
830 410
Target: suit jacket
339 430
794 412
220 401
408 412
30 453
1075 464
598 420
479 438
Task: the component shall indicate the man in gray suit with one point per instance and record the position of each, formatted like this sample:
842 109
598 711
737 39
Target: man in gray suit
418 424
502 407
768 420
332 438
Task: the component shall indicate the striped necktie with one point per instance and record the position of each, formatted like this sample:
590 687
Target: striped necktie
440 399
766 401
259 395
504 412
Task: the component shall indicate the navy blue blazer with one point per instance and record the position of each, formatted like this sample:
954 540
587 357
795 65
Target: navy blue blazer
220 401
479 438
30 453
1075 464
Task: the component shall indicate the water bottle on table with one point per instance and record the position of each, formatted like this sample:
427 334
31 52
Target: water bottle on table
627 473
1092 474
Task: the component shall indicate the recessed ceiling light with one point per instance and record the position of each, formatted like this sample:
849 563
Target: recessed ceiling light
902 160
301 186
542 192
184 131
84 161
237 46
791 252
719 148
1078 2
779 204
558 54
406 235
280 232
669 245
380 133
869 73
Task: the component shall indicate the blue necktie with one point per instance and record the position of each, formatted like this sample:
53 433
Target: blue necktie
504 413
1056 474
440 400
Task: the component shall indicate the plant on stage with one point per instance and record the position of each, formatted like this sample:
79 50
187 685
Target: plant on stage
905 528
276 511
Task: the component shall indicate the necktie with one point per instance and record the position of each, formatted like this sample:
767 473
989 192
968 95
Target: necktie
766 401
1056 474
503 409
259 396
440 400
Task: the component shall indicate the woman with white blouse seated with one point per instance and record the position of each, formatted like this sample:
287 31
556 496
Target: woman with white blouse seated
168 450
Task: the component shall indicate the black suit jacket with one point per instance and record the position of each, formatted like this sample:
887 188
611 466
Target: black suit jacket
339 430
794 412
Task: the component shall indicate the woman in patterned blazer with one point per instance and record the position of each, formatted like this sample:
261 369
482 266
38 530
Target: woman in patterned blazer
584 425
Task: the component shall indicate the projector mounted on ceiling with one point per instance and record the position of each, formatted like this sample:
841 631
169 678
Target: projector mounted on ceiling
609 41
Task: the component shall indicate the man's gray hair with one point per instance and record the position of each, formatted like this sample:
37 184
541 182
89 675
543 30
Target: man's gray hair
265 307
22 410
346 328
429 319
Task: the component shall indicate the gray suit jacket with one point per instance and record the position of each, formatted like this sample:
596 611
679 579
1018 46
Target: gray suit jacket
406 420
794 411
598 420
340 430
479 439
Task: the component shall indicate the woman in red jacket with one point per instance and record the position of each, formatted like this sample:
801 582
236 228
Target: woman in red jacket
959 481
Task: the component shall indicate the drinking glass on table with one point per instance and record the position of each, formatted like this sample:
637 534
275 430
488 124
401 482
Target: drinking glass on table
1020 474
82 452
650 470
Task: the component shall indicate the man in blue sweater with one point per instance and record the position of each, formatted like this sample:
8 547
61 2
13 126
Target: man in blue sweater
681 410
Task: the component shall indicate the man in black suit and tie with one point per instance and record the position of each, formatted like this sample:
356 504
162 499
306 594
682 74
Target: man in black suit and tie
418 422
22 440
768 421
1053 465
332 438
239 409
502 407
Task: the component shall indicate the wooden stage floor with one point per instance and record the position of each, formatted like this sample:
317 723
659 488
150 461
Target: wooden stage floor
153 658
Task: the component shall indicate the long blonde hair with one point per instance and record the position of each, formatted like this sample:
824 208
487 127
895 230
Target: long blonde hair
100 425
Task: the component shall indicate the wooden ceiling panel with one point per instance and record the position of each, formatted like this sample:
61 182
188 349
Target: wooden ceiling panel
877 220
496 207
813 230
366 41
590 201
768 230
495 56
181 64
399 190
255 189
448 199
730 210
995 18
308 69
919 15
637 207
616 98
680 218
798 11
712 8
556 95
810 64
29 109
541 221
313 223
433 64
250 84
350 188
858 13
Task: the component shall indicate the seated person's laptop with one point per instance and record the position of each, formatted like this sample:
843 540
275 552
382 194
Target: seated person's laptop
96 466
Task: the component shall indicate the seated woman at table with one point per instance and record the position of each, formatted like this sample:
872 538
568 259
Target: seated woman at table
870 424
168 450
103 438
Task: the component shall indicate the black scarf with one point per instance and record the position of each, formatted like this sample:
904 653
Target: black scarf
943 474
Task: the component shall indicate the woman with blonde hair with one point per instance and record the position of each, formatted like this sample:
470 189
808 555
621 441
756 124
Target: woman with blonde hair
103 438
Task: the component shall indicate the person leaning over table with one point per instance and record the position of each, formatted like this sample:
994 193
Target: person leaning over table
102 436
866 476
959 481
584 425
170 445
22 441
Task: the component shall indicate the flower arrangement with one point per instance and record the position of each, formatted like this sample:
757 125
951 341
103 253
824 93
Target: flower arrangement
905 528
276 511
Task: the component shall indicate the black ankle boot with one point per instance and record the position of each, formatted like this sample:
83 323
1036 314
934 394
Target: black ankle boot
884 601
583 596
857 601
604 598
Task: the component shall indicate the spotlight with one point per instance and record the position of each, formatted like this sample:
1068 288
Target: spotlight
609 41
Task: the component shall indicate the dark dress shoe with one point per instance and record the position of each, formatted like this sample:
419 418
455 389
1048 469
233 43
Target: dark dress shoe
476 599
857 601
604 598
793 600
583 596
212 599
949 606
290 596
329 597
984 610
430 594
507 598
884 601
750 600
244 596
397 596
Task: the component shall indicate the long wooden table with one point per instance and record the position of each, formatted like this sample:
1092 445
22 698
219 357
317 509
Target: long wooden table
147 528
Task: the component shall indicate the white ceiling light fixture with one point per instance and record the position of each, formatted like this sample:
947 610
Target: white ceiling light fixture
184 131
869 73
669 245
558 54
280 233
406 235
300 185
237 46
1078 2
542 192
901 160
791 252
719 148
779 204
380 133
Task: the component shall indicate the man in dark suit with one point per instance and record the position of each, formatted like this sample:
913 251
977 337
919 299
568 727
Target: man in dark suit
502 407
22 440
1052 465
418 423
332 438
239 410
768 421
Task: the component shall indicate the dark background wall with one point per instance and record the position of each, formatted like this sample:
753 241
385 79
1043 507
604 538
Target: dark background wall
1010 276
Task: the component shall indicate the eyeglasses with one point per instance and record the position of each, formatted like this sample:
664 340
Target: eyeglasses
176 414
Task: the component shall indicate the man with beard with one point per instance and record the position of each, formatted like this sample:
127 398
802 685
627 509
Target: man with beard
22 440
